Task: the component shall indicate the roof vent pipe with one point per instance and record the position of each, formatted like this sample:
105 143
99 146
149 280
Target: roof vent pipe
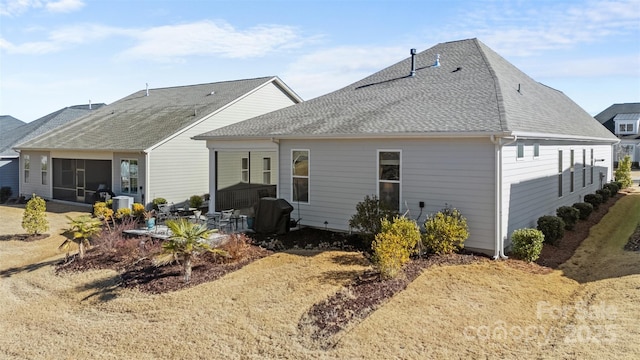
437 63
413 62
147 84
89 104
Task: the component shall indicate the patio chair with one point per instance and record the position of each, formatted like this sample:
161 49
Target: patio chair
164 213
225 220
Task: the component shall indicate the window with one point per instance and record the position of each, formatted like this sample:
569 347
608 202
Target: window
129 176
266 170
520 155
245 170
389 178
591 169
624 128
536 150
27 166
572 169
560 173
43 167
300 175
584 167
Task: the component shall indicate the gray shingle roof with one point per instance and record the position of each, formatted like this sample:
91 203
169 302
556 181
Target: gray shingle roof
8 122
28 131
474 90
138 122
607 115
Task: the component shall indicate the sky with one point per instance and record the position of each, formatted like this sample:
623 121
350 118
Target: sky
59 53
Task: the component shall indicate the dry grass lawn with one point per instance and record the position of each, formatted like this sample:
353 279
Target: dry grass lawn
487 310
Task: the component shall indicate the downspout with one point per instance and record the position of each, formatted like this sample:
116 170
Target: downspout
499 240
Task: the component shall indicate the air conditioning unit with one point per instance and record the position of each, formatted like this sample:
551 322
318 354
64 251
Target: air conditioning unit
122 202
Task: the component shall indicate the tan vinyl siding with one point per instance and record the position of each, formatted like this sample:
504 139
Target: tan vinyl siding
438 172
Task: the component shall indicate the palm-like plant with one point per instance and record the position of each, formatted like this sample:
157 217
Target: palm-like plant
79 232
187 241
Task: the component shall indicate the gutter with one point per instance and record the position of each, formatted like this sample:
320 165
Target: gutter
499 238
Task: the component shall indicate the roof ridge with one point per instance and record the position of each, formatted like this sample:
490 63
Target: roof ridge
499 98
210 83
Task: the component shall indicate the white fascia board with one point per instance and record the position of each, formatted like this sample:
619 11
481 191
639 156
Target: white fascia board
442 135
545 136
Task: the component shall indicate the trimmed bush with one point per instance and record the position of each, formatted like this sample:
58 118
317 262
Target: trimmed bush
552 227
367 219
593 199
195 201
445 232
569 215
102 211
585 209
157 201
612 187
527 244
394 244
623 172
605 193
618 183
34 219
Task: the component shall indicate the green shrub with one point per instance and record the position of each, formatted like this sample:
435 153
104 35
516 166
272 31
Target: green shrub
552 227
569 215
619 184
527 244
5 194
195 201
394 244
584 208
623 172
593 199
605 193
158 201
367 219
34 219
612 187
445 232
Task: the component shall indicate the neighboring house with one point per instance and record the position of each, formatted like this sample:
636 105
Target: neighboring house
467 130
624 121
11 136
140 146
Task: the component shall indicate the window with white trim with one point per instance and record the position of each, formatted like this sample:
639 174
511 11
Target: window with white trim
389 178
520 151
129 176
44 168
625 128
300 175
560 169
591 169
266 170
27 167
584 167
244 172
536 150
572 168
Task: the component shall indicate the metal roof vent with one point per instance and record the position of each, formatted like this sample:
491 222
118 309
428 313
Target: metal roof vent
147 84
413 63
437 63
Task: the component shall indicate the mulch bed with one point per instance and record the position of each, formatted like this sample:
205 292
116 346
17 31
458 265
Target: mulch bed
23 237
634 241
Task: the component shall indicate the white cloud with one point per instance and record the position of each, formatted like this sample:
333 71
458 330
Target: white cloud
171 42
63 38
526 31
18 7
64 6
211 38
327 70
